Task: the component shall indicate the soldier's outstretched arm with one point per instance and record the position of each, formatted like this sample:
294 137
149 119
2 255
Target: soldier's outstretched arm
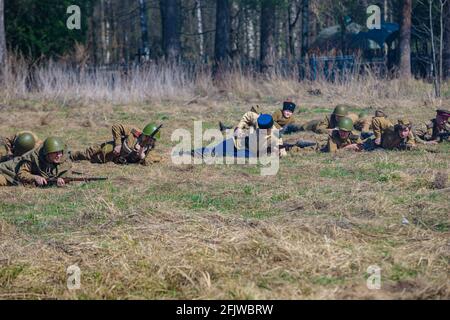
118 131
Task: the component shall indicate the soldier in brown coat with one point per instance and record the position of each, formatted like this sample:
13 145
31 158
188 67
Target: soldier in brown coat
343 138
398 137
379 124
284 119
43 163
437 130
17 145
129 145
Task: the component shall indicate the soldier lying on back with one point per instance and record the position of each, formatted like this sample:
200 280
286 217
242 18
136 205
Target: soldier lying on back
129 145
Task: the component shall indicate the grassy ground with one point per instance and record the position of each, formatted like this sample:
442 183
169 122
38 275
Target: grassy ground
199 231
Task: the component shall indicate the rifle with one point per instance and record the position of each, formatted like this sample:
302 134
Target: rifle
53 181
444 136
301 144
156 131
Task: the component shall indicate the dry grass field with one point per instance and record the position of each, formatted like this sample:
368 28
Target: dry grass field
226 232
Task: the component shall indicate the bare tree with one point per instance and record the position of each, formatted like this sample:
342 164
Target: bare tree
250 34
201 38
305 27
222 38
2 38
144 30
405 39
170 14
293 15
446 54
267 40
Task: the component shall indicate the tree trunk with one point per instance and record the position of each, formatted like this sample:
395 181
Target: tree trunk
405 39
222 37
267 40
201 38
250 35
170 15
2 39
305 27
144 29
446 54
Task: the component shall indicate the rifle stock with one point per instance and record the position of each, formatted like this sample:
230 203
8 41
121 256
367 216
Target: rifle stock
76 179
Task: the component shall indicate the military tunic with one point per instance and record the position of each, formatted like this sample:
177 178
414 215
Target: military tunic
391 140
249 119
335 142
7 146
34 163
130 140
281 121
379 125
8 171
425 132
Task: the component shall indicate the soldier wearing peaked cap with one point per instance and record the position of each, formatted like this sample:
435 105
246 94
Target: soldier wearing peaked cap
436 130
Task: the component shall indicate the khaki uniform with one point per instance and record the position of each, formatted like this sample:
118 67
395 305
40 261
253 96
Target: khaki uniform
390 140
335 142
379 125
34 163
7 146
429 131
363 124
251 142
280 121
129 138
8 172
249 119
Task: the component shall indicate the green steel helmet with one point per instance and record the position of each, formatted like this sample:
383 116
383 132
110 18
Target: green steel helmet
345 124
363 114
340 110
149 129
24 143
52 144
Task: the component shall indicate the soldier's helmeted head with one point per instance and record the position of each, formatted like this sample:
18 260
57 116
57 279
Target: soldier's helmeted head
345 127
340 112
380 114
53 150
23 143
147 133
363 114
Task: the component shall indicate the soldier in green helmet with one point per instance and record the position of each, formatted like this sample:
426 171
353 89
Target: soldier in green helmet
343 138
330 122
129 145
49 161
17 145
